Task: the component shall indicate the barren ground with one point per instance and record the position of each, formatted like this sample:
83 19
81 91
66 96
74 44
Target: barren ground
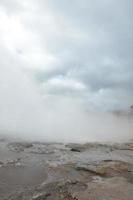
51 171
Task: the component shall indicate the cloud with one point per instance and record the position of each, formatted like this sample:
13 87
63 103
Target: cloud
67 56
65 86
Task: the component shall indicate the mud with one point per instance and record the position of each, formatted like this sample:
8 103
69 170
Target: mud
55 171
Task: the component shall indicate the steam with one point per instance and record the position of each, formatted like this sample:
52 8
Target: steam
26 114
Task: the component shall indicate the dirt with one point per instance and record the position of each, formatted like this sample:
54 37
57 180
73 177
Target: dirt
55 171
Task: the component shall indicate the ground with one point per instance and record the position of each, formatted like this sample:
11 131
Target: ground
57 171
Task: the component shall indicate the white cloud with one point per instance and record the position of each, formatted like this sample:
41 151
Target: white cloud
71 56
48 38
17 38
64 84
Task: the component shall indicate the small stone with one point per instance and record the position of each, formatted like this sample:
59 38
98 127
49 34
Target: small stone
76 150
40 196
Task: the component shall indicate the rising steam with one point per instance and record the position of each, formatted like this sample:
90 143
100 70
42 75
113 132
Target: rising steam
26 114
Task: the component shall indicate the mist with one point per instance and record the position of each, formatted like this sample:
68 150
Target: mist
28 114
64 68
66 99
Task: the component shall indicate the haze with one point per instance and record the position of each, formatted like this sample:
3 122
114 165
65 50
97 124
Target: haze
64 67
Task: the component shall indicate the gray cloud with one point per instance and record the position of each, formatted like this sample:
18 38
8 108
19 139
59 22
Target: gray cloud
77 52
92 40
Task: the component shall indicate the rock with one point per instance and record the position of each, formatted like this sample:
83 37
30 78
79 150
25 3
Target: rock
15 162
116 188
130 145
40 196
75 149
105 168
60 190
1 163
80 147
42 150
19 146
9 162
97 179
121 146
87 146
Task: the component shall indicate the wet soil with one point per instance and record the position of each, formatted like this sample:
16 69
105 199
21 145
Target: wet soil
55 171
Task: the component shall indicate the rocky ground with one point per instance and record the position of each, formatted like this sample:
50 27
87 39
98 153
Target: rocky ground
51 171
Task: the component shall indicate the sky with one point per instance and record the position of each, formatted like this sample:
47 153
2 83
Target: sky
63 58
